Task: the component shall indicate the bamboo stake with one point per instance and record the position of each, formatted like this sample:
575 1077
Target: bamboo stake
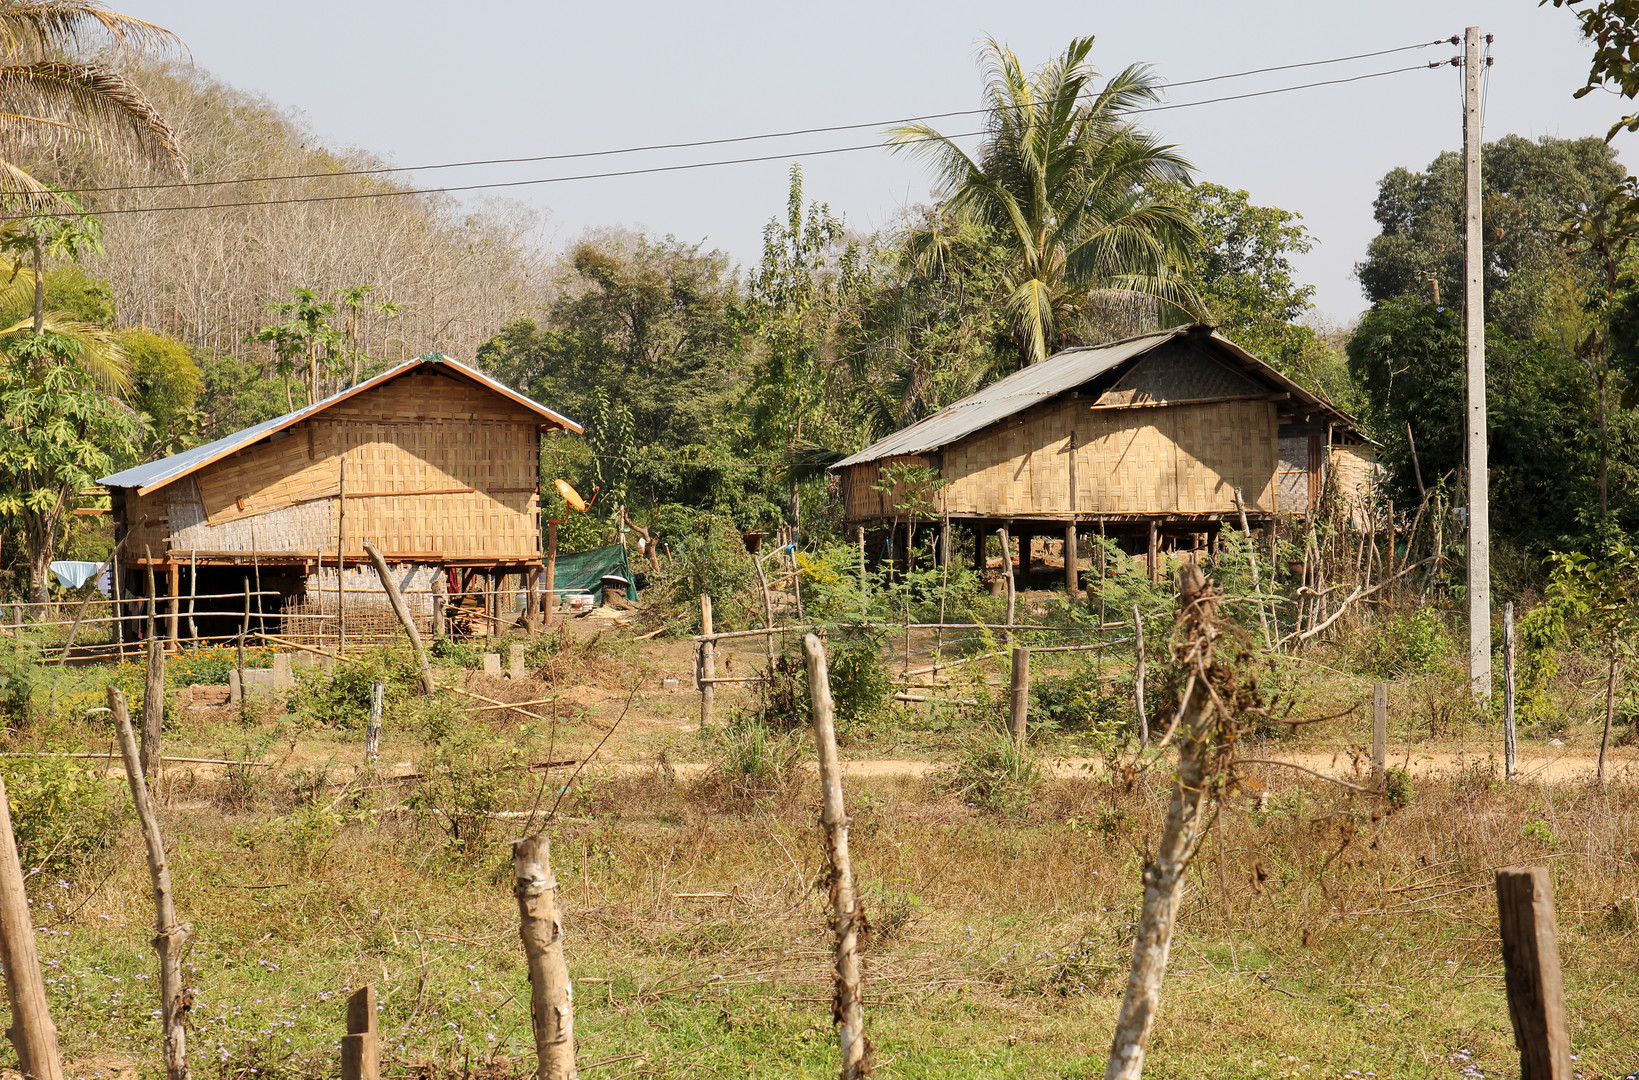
1164 875
170 936
847 914
1252 557
1510 755
864 604
86 603
341 552
708 665
153 688
372 733
1019 693
32 1033
193 590
551 995
1138 679
403 612
768 611
1012 586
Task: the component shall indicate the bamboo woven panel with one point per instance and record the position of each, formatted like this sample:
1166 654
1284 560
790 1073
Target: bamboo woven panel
147 519
1178 372
1292 475
862 500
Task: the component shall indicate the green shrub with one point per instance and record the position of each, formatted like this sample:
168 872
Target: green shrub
1410 643
995 773
1078 702
708 558
341 698
461 654
753 760
61 809
859 679
20 674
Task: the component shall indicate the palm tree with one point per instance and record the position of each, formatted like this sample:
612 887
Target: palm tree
1066 181
49 97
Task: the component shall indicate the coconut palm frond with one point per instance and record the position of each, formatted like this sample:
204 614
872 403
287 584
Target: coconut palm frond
39 29
91 348
82 101
1066 182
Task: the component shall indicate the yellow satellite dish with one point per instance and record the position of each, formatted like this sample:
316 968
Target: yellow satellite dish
571 496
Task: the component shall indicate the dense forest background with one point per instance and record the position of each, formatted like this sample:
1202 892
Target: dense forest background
711 387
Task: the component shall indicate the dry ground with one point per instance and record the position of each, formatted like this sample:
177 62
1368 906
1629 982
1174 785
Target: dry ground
1324 934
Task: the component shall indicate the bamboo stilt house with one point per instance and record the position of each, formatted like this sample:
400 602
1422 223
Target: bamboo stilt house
435 463
1147 440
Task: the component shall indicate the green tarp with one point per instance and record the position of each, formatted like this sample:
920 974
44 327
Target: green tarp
585 572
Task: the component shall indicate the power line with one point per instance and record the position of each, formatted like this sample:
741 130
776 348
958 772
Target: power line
686 167
535 159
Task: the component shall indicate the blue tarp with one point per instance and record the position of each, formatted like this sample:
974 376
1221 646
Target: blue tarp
73 573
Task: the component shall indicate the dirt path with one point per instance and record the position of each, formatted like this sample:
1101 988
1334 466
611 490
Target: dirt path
1567 768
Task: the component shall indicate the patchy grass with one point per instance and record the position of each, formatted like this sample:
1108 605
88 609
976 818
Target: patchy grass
1322 935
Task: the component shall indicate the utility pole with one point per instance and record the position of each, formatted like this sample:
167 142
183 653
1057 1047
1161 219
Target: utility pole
1479 500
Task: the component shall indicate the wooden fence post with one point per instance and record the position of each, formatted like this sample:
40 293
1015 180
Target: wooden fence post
32 1033
847 914
360 1047
1380 731
170 937
551 997
372 734
1510 750
1012 585
1530 960
864 604
708 665
397 600
153 688
193 593
551 613
1020 683
1138 680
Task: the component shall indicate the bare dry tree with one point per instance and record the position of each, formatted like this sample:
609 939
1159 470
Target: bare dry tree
1210 654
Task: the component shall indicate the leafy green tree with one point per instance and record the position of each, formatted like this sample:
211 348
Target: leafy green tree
1071 186
332 357
925 329
810 271
653 322
1528 188
1613 27
58 435
1407 356
166 382
1596 594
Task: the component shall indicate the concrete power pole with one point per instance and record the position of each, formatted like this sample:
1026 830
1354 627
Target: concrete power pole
1479 499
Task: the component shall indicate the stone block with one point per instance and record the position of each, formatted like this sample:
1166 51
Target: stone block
515 667
492 663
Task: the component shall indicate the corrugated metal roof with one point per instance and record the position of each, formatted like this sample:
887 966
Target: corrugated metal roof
1057 374
156 474
1001 399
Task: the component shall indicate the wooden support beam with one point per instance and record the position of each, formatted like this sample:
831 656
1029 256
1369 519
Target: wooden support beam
1530 960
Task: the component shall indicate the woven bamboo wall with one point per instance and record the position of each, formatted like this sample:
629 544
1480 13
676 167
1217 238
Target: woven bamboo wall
436 469
860 497
1178 459
1354 467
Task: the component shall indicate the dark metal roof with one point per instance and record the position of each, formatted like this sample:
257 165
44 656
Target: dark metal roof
1058 374
156 474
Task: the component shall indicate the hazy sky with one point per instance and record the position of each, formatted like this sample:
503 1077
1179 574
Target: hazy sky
420 83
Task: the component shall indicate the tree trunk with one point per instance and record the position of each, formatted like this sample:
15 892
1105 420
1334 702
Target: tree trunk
170 937
551 996
32 1033
1164 876
39 288
847 915
1610 714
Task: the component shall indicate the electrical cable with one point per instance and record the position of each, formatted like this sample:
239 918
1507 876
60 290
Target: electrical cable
382 170
686 167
